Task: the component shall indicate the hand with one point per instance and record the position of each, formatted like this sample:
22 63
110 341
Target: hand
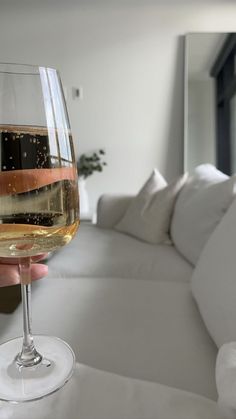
9 273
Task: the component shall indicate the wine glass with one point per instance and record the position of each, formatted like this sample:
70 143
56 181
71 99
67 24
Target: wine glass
39 212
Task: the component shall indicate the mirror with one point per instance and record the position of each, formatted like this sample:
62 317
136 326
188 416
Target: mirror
210 101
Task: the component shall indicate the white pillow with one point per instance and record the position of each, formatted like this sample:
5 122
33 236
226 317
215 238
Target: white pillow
148 216
214 280
200 206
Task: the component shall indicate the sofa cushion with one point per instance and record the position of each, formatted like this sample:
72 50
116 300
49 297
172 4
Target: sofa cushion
144 329
148 215
199 207
214 280
95 394
104 252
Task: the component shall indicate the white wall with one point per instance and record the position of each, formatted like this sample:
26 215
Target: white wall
128 56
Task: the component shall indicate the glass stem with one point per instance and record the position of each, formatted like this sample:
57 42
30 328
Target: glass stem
28 356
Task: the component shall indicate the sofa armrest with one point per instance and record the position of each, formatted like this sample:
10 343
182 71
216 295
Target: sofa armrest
111 208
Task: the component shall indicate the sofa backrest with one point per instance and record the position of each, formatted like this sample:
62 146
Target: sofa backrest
214 280
202 202
111 208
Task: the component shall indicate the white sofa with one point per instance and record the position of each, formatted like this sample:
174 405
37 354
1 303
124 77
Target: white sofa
134 304
126 307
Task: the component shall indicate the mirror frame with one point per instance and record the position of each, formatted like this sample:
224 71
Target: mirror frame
223 69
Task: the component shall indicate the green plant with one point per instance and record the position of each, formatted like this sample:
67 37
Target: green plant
89 163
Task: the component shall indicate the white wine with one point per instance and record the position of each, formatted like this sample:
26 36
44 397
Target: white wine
27 240
39 206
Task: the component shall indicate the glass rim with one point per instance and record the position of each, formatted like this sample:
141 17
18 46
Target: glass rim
21 68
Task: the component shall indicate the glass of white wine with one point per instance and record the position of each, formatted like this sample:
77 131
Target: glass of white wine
39 212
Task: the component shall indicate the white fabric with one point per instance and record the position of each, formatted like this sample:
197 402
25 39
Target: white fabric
138 221
199 207
154 220
214 280
111 208
103 252
226 379
93 394
143 329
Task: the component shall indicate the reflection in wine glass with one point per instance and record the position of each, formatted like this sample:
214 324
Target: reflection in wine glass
39 212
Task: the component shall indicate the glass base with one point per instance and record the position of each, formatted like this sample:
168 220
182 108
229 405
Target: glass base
21 384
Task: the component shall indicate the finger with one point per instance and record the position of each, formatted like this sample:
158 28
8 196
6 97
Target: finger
16 261
38 271
9 274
